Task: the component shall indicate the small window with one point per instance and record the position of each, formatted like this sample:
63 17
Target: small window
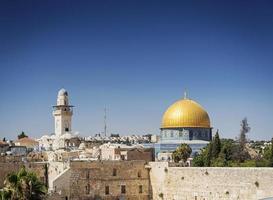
171 133
106 190
66 129
114 172
180 133
139 174
87 189
87 174
123 189
140 191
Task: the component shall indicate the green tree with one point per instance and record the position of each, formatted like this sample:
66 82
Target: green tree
198 160
208 155
204 158
216 146
183 152
23 185
22 135
227 149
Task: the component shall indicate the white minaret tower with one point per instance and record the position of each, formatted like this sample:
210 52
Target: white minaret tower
62 113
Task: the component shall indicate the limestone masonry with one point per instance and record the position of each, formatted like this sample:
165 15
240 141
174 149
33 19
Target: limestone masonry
202 183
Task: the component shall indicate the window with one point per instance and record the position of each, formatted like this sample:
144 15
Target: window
114 172
87 174
139 174
140 191
123 189
87 189
66 129
107 190
180 133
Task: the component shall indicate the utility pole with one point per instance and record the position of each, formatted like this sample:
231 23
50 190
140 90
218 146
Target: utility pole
105 126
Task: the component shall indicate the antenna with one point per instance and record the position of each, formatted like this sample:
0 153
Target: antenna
105 126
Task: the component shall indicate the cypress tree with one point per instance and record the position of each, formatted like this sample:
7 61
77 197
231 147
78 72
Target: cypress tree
216 146
208 154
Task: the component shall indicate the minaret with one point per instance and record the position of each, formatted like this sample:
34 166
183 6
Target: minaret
62 113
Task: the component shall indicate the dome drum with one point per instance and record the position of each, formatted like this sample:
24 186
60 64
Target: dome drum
185 133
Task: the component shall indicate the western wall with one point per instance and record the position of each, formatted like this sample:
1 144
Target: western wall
207 183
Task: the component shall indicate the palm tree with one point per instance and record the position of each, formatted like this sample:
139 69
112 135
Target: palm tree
23 185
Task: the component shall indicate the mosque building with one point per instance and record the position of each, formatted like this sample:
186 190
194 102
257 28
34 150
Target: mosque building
185 121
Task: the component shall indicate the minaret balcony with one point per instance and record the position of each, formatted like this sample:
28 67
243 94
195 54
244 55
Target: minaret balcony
60 109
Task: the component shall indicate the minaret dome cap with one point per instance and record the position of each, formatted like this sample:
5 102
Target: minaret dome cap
62 92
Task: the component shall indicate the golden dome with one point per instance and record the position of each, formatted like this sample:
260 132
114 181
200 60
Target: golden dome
185 113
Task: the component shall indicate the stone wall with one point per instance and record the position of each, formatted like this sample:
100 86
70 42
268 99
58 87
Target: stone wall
54 170
196 183
62 185
89 180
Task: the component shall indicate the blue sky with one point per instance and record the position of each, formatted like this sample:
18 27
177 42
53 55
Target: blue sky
136 58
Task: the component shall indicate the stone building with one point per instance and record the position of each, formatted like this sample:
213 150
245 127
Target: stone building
104 180
125 152
29 143
3 146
